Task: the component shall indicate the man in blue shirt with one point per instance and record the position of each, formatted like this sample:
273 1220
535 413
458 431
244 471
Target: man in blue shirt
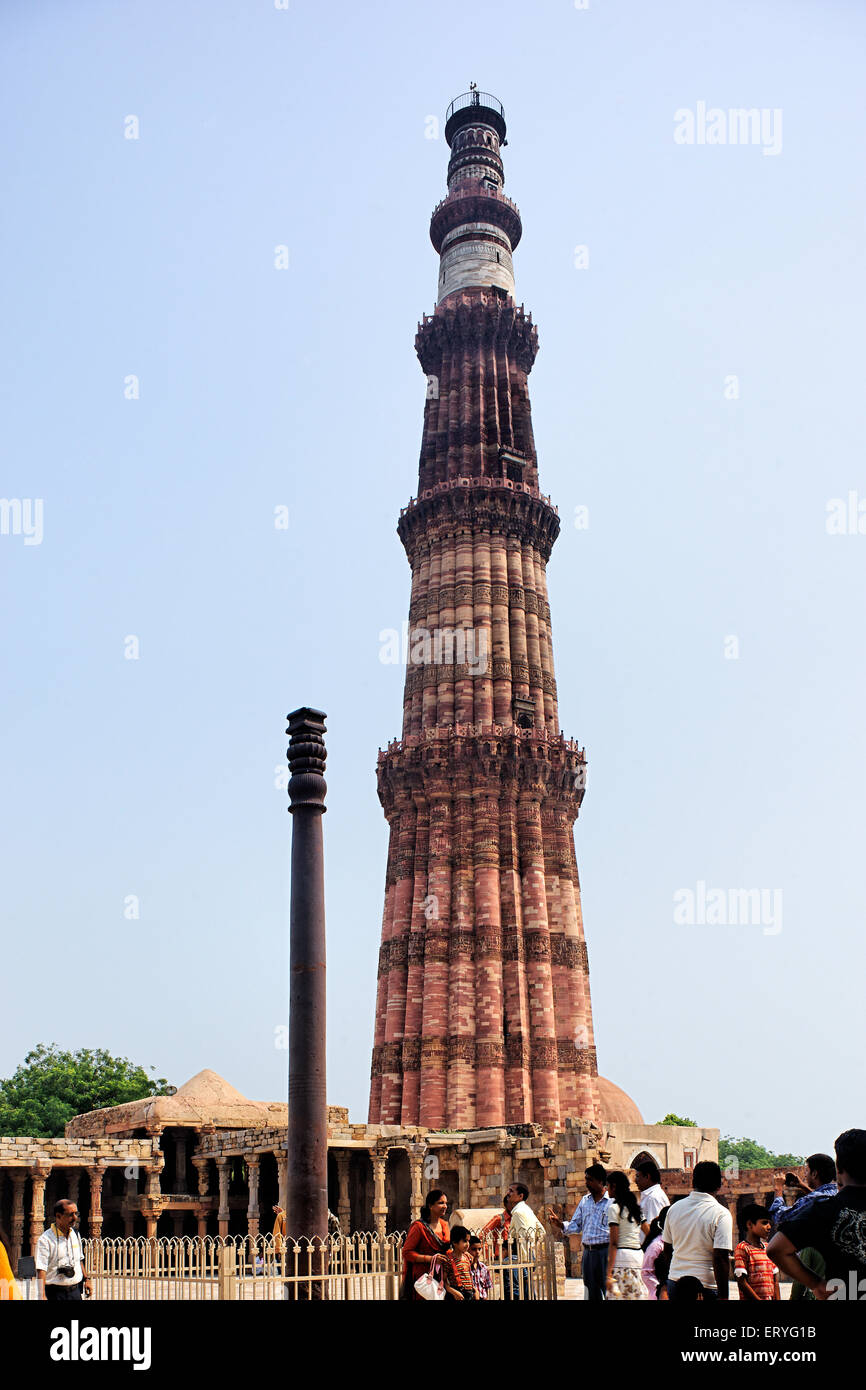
832 1227
590 1223
820 1175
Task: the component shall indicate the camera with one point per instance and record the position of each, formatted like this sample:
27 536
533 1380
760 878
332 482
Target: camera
66 1271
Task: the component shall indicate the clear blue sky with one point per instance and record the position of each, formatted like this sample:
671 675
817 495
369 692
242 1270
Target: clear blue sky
260 387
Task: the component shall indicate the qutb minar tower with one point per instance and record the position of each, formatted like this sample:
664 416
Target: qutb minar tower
483 1012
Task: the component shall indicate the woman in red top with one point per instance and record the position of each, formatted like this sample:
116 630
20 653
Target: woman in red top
425 1240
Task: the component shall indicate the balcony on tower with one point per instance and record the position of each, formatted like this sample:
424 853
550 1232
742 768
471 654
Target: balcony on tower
476 228
475 106
513 465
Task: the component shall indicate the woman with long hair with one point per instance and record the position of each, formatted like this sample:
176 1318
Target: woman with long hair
8 1287
625 1257
426 1240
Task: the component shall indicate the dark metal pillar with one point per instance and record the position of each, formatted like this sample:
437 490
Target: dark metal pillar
307 1193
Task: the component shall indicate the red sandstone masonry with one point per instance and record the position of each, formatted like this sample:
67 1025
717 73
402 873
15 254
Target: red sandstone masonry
483 1014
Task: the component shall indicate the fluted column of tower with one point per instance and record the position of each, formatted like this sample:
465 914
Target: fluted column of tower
483 1012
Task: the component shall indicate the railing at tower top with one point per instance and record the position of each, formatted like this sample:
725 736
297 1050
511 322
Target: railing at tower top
452 731
475 99
476 189
479 481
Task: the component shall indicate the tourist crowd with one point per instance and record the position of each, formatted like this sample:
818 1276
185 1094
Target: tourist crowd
635 1245
638 1245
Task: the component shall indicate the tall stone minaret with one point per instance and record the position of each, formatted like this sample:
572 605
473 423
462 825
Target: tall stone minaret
483 1013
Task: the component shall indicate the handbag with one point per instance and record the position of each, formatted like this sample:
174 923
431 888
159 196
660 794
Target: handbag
428 1286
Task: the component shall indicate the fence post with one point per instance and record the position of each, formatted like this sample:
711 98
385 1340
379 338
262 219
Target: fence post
558 1288
227 1282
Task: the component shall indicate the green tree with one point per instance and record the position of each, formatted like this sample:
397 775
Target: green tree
750 1154
672 1119
51 1086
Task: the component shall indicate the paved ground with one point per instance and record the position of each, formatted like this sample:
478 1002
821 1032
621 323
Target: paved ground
574 1289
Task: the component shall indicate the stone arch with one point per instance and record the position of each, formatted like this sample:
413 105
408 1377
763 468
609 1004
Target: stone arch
449 1183
269 1189
361 1191
644 1153
190 1224
333 1183
112 1225
398 1190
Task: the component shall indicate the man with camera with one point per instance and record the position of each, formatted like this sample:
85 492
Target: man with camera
59 1257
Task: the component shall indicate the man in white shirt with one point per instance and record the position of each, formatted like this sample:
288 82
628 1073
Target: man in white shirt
521 1227
648 1181
701 1232
523 1218
59 1257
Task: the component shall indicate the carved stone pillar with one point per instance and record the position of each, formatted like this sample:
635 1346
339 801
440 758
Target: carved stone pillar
202 1168
380 1203
224 1213
94 1223
153 1200
344 1205
416 1173
253 1202
464 1160
506 1153
201 1215
19 1178
282 1158
39 1177
153 1187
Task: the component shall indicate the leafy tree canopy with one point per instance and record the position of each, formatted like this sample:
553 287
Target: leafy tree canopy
747 1152
750 1154
51 1086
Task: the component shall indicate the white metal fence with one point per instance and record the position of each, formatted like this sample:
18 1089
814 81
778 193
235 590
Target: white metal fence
364 1266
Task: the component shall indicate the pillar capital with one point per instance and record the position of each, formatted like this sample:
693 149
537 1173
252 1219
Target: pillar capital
380 1202
307 757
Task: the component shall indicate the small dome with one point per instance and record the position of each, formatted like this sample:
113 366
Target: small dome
209 1088
614 1104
